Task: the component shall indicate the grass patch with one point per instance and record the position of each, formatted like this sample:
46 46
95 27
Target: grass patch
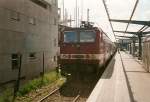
49 78
7 95
38 82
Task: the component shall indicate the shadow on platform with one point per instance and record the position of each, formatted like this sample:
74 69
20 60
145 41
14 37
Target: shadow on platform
109 70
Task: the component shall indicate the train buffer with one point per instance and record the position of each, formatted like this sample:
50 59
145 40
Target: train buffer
124 80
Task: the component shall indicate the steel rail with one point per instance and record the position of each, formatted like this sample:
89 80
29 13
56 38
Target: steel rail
51 93
76 98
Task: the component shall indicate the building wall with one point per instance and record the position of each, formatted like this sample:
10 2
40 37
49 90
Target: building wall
30 30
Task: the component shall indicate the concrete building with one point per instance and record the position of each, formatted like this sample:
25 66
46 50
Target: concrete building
28 28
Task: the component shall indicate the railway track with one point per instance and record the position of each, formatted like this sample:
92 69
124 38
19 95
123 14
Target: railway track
74 90
55 96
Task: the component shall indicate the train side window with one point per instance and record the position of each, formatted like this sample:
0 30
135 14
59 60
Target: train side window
101 36
15 61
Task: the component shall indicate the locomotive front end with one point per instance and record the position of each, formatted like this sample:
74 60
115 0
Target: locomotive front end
79 50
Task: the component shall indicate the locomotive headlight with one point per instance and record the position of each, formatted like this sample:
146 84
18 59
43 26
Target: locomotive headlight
77 45
87 56
64 56
93 56
90 56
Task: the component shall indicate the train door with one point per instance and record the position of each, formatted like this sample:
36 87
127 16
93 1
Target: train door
104 48
148 53
102 51
147 56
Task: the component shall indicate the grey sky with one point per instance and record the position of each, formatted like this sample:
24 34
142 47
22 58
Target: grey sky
118 9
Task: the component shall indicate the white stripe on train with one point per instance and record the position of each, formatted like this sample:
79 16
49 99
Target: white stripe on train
82 56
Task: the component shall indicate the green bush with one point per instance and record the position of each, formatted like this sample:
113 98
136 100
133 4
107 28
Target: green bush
37 83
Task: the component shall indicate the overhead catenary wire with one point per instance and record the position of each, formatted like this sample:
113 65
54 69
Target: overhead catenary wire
82 7
63 4
109 18
78 17
76 9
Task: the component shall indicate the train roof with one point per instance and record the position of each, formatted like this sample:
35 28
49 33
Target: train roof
93 28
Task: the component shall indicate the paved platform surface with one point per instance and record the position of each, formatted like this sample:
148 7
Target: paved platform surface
124 80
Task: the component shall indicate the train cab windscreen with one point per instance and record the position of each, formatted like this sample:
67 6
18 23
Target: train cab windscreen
70 37
79 36
87 36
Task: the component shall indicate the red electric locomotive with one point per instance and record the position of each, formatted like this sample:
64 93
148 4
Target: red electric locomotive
84 49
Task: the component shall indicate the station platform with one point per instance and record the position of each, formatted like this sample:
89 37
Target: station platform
124 80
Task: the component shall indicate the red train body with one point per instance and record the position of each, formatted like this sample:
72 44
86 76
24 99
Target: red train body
84 47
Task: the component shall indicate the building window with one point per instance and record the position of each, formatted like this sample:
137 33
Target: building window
59 13
55 21
32 56
32 21
15 15
15 61
41 3
55 42
55 59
